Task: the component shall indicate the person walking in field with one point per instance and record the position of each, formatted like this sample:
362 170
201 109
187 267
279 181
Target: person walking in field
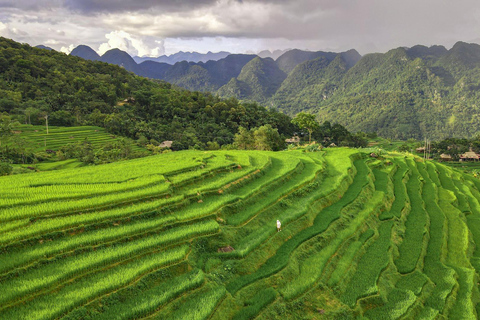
279 225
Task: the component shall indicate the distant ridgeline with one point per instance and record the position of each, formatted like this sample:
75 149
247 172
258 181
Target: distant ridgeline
73 92
404 93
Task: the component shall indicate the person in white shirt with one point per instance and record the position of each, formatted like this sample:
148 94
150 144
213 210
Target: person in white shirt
279 225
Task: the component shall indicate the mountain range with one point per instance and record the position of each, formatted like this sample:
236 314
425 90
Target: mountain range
252 77
404 93
184 56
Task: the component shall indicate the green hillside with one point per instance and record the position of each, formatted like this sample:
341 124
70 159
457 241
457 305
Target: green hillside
258 81
192 235
72 91
404 93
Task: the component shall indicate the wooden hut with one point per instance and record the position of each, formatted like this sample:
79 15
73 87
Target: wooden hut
469 156
445 157
166 144
294 139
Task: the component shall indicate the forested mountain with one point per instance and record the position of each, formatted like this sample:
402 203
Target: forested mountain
184 56
85 52
41 46
258 80
271 54
73 91
403 93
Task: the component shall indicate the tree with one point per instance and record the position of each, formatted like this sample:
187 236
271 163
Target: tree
306 121
6 128
244 139
267 138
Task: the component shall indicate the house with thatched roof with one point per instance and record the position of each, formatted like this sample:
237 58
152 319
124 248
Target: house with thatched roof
166 144
445 157
294 139
420 150
469 156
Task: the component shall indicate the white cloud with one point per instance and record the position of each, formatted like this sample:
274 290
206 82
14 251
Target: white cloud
68 49
3 29
134 45
52 42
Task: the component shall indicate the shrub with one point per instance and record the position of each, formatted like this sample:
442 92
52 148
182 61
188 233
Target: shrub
5 169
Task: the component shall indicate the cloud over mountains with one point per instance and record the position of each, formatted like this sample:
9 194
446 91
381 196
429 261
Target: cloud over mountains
152 27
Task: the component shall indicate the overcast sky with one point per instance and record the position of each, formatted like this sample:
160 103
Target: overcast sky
156 27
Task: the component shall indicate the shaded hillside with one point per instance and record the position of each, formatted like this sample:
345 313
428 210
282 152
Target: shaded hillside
120 58
317 78
184 56
263 79
85 52
258 81
290 59
151 69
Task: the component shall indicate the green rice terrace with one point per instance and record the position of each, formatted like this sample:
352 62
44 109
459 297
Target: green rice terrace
192 235
60 136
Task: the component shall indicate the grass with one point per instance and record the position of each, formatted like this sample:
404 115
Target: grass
375 259
62 269
398 302
154 298
198 306
256 304
68 297
60 136
389 238
410 251
400 192
311 269
323 220
347 259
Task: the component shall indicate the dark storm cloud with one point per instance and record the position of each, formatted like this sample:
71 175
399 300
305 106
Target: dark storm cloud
31 5
110 6
337 24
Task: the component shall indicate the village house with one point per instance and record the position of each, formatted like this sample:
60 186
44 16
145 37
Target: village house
294 139
166 144
445 157
469 156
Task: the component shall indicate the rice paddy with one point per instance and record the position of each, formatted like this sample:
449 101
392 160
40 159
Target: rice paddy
192 235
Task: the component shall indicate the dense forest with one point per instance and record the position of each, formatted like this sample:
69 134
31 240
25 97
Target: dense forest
405 93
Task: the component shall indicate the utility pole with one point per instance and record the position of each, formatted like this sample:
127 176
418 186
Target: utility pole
429 148
46 122
425 149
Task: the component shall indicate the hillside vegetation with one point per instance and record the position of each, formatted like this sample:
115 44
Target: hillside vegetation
192 235
72 91
405 93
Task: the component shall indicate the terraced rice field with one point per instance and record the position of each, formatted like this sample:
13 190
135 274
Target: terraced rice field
192 235
60 136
